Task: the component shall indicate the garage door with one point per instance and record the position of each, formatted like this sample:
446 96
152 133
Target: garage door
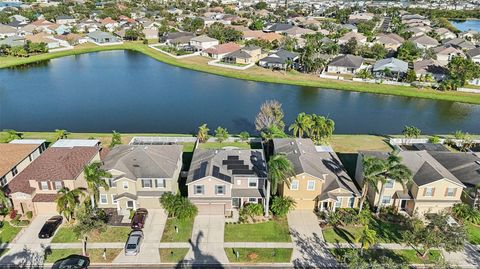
304 204
211 209
45 208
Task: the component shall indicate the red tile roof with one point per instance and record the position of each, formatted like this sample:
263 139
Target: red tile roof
53 164
223 48
50 197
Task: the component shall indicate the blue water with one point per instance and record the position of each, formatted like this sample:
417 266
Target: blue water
131 92
467 25
10 4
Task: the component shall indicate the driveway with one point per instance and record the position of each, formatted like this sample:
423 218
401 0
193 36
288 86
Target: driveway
207 241
152 234
29 235
309 249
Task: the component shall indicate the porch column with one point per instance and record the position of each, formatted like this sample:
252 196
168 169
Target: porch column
321 206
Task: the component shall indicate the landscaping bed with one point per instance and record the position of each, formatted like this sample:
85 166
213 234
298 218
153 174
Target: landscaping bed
259 255
275 230
185 227
172 255
112 234
95 254
408 256
8 232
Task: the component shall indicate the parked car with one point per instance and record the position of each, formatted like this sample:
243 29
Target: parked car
132 247
72 262
139 218
50 227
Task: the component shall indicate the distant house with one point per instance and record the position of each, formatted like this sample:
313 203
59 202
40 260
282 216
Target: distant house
474 54
13 41
64 19
245 55
360 38
51 42
297 32
103 38
390 41
360 17
7 31
277 28
279 60
444 33
345 64
271 36
177 39
150 33
445 53
396 68
431 67
219 51
460 43
424 42
203 42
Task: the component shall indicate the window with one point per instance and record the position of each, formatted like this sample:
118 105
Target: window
103 199
14 171
351 202
160 183
386 200
253 183
146 183
44 185
338 203
129 204
451 192
3 181
389 184
198 189
311 185
252 200
111 183
58 185
294 185
113 200
428 192
219 189
125 185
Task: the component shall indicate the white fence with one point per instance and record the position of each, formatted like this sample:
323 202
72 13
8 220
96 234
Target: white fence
219 64
159 140
61 49
106 44
379 81
331 77
468 90
154 46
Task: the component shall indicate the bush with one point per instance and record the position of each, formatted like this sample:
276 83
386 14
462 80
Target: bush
13 214
348 216
282 205
178 206
250 211
132 213
434 140
389 213
464 212
29 215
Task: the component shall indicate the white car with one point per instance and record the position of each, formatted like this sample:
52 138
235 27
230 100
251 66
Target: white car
132 247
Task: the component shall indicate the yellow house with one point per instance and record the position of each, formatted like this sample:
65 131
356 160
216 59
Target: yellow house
320 181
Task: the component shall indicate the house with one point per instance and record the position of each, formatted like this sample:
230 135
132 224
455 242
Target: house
360 17
13 41
140 175
224 180
277 28
219 51
433 188
103 38
177 39
51 42
245 55
279 60
64 19
437 71
16 156
320 182
460 43
345 64
424 42
249 35
7 31
297 32
474 54
396 68
360 38
389 41
203 42
109 24
35 188
445 53
444 33
150 33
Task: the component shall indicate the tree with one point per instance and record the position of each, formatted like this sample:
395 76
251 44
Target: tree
224 33
461 70
411 132
88 221
351 47
464 212
244 136
270 115
409 52
202 134
261 5
364 74
95 177
134 34
367 238
411 76
116 139
282 205
302 125
178 206
193 24
322 129
221 134
61 134
257 25
372 169
12 135
280 170
68 200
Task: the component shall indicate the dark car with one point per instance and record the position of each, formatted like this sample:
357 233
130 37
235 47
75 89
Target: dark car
139 218
50 227
72 262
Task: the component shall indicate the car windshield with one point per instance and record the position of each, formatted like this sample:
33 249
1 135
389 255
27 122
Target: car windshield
73 263
131 246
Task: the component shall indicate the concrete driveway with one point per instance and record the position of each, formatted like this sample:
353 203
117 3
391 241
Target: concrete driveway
29 235
309 247
152 234
207 241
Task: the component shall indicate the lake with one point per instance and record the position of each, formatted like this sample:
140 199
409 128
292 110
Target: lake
467 25
130 92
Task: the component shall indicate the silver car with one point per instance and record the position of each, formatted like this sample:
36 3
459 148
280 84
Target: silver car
132 247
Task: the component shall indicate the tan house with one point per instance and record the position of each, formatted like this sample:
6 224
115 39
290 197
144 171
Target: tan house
245 55
433 188
35 188
221 181
320 182
140 175
389 41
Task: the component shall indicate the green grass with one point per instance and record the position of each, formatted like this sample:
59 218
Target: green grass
95 254
355 143
184 230
473 233
172 255
111 234
8 232
255 73
386 233
408 256
270 231
259 255
218 145
3 251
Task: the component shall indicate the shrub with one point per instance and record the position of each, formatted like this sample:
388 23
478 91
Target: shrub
178 206
250 210
29 215
333 219
389 213
13 214
132 213
282 205
464 212
434 140
348 216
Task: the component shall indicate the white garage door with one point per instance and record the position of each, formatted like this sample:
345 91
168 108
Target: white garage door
211 209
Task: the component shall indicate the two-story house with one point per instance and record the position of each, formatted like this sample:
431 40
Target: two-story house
432 190
140 175
223 180
16 156
320 181
35 188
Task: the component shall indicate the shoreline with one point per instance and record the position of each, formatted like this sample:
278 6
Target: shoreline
256 74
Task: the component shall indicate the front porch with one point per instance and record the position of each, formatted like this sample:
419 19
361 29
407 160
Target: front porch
401 202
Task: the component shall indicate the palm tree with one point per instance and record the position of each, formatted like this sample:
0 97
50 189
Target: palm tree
68 200
301 125
322 128
367 238
372 170
202 134
12 135
61 134
95 177
280 170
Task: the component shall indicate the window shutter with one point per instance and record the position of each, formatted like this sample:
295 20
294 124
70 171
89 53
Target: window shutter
433 192
39 185
143 183
164 183
424 191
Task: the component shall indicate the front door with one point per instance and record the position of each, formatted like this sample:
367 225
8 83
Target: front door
403 205
236 202
130 204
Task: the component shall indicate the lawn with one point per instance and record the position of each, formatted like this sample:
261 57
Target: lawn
111 234
172 255
95 254
355 143
184 230
399 256
270 231
259 255
218 145
386 233
8 232
473 233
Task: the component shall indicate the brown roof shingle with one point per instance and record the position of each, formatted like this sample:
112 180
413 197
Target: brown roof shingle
44 197
13 154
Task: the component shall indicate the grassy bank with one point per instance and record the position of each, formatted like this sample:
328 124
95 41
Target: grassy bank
255 73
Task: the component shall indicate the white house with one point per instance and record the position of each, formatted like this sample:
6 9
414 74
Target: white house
203 42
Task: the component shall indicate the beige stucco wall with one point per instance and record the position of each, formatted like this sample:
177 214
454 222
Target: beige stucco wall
209 188
440 188
45 208
304 198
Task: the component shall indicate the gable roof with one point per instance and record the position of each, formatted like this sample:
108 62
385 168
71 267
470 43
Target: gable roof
223 48
473 52
393 64
347 61
463 165
425 40
13 154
